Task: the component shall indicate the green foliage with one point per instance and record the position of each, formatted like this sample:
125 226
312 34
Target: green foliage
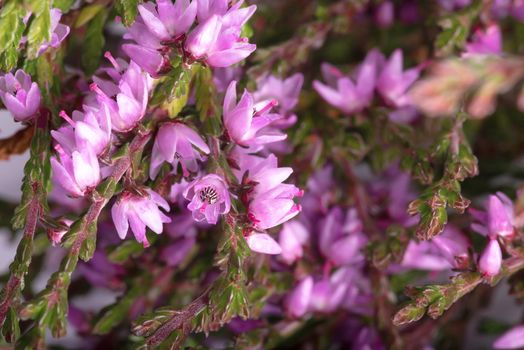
11 31
94 40
63 5
127 10
40 27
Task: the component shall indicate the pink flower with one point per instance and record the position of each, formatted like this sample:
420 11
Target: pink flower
292 238
263 243
166 20
217 37
512 339
129 105
174 143
297 302
347 94
491 259
20 95
393 82
488 42
247 123
264 173
285 91
91 129
274 207
58 31
78 172
209 198
139 211
500 216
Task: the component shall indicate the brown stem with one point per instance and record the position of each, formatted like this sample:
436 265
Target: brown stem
17 274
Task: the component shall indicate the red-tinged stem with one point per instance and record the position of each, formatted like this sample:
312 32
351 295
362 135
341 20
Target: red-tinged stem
17 274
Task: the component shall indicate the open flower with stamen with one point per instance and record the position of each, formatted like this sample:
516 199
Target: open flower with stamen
177 143
91 129
20 95
209 198
138 211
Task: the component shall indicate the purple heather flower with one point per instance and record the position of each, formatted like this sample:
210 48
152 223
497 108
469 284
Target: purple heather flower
91 129
327 294
20 95
274 207
297 302
246 122
217 37
347 94
490 261
166 20
512 339
209 198
341 237
174 143
176 252
58 31
263 243
393 82
497 220
263 172
101 272
453 245
292 237
222 77
424 256
78 172
139 211
285 91
385 14
55 234
488 42
451 5
128 107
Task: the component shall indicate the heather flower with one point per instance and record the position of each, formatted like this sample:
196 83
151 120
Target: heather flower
285 91
217 37
512 339
209 198
327 294
453 245
385 14
78 172
497 219
128 107
292 238
91 129
274 207
222 77
166 20
246 122
177 143
263 243
341 238
20 95
58 31
139 211
393 82
350 95
450 5
488 42
490 261
297 302
263 173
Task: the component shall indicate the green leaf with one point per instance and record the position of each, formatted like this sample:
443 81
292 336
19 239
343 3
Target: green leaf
116 313
63 5
87 14
11 328
11 31
40 28
127 10
172 93
123 251
94 42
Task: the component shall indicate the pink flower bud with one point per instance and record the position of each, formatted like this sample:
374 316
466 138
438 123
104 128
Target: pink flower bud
491 259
